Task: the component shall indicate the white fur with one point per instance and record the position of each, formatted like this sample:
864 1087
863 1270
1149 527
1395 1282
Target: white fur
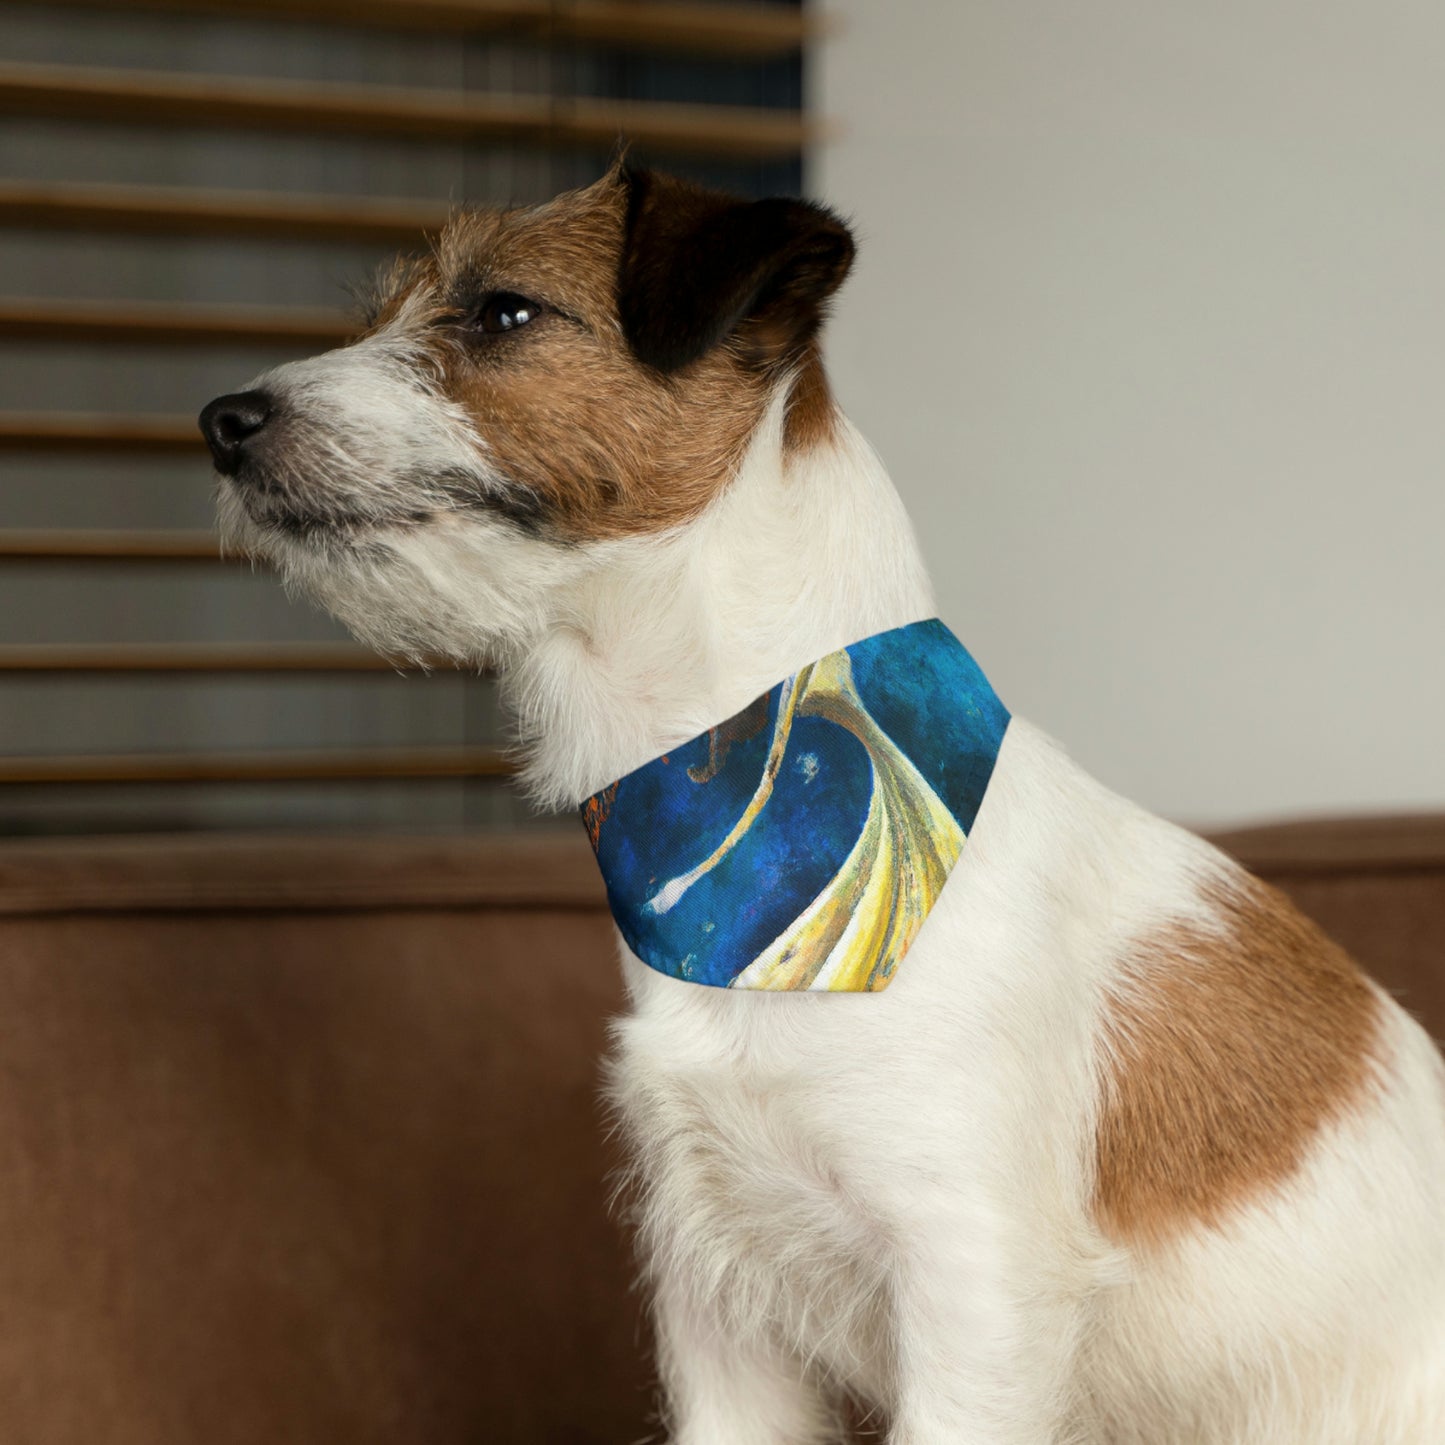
890 1194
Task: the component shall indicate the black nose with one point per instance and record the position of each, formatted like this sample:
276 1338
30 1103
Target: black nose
229 422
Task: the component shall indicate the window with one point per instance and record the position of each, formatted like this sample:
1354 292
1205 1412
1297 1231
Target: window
188 192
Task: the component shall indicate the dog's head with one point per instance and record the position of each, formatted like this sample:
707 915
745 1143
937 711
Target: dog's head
546 382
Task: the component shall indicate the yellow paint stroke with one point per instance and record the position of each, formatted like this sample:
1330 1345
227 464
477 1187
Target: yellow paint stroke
853 934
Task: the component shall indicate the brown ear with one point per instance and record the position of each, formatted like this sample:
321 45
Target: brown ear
699 266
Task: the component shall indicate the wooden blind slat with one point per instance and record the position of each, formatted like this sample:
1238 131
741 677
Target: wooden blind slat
182 657
160 98
93 431
359 764
705 29
109 546
168 323
754 31
175 211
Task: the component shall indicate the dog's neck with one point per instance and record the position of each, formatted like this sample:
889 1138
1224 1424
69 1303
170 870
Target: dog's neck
663 637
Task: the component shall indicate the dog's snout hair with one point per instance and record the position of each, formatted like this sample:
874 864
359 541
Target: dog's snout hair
358 439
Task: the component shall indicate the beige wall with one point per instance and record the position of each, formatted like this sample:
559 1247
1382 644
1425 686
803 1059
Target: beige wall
1149 324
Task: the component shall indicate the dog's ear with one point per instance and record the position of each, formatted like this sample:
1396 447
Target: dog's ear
699 267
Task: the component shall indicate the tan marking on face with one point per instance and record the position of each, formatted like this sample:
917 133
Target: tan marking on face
812 416
1227 1054
607 446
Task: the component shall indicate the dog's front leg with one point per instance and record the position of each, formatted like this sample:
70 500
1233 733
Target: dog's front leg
985 1348
722 1387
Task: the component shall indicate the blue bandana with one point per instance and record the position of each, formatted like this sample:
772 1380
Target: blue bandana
801 843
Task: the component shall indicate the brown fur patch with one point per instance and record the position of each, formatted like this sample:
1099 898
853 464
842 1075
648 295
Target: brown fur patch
1228 1051
599 446
812 413
595 442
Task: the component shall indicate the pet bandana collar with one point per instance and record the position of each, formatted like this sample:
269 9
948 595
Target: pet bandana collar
801 843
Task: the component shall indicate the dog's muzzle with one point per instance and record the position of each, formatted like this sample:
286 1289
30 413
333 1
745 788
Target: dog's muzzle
231 424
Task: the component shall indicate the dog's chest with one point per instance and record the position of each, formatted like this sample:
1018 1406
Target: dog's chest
747 1175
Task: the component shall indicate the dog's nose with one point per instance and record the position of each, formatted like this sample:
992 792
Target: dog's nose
229 422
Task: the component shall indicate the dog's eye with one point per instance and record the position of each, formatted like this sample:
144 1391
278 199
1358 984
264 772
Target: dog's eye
505 311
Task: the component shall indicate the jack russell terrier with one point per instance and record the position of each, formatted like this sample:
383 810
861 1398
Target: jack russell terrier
1101 1143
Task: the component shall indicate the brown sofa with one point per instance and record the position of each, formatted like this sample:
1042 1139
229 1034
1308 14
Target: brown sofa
299 1139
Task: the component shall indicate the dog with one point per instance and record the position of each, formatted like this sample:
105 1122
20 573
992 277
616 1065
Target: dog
1127 1153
